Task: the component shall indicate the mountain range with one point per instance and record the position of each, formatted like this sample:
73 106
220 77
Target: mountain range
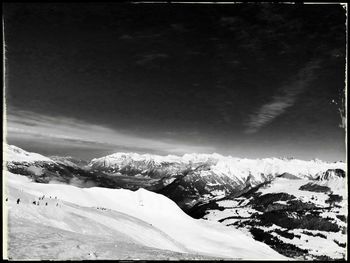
188 180
282 202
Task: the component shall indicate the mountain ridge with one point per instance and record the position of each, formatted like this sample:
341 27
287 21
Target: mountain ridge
187 179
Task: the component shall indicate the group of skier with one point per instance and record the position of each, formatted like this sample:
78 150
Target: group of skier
42 199
101 208
36 202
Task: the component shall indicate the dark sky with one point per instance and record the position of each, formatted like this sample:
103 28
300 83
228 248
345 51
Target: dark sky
247 80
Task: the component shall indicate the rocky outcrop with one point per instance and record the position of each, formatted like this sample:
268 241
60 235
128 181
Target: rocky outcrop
331 174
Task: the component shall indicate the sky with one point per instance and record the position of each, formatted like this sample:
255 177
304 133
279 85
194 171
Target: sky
246 80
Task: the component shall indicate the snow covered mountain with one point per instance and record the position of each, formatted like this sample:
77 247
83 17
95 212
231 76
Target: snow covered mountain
194 178
69 161
187 179
58 221
236 168
298 208
51 170
300 218
14 154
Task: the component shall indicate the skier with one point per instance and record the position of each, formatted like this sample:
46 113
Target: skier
18 200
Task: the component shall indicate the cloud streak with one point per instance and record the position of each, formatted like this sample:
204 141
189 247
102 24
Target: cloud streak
284 98
62 130
149 58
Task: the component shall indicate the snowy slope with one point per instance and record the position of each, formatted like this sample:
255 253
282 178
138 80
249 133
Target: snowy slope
295 216
170 229
15 154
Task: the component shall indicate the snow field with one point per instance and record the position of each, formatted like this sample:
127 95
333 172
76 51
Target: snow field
150 219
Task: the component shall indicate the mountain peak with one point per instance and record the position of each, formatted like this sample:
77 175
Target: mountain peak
13 153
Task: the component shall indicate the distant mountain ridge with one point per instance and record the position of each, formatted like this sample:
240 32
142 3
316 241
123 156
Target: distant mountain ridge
69 161
187 179
239 169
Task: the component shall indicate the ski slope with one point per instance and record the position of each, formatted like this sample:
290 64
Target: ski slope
153 225
15 154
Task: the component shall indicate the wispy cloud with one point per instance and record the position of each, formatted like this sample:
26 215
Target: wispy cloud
62 130
150 58
284 98
126 37
178 27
